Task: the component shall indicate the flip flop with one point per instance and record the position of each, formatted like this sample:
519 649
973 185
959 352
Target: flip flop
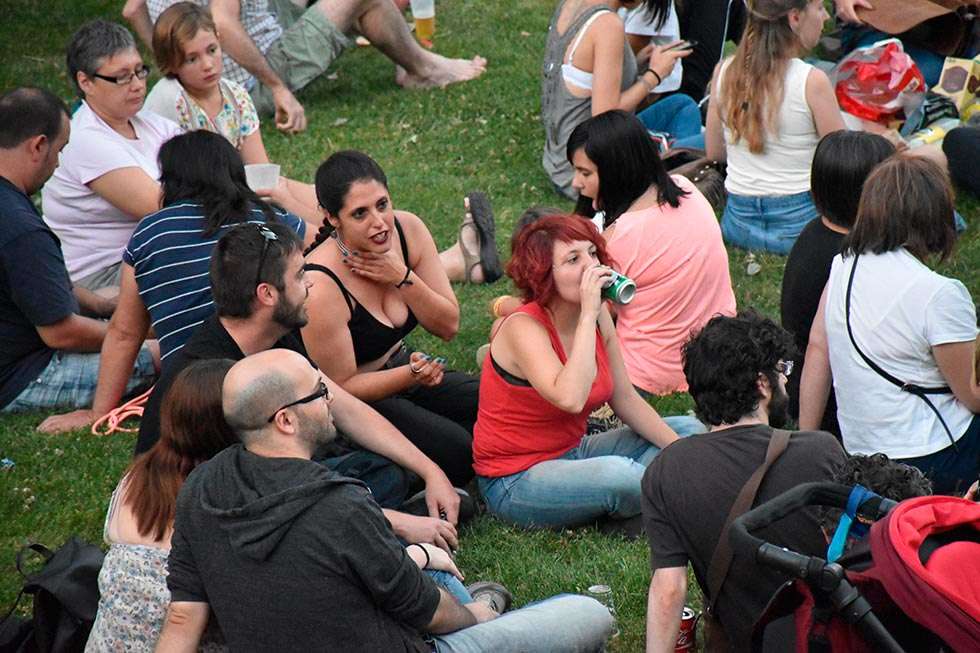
486 257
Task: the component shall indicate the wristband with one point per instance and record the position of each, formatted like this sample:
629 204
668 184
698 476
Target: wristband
660 79
405 281
427 558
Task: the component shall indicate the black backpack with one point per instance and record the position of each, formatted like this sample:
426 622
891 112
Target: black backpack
66 598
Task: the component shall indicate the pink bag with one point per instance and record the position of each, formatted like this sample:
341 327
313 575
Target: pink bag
879 82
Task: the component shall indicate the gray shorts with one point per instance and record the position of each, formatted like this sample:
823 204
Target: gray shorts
104 278
307 48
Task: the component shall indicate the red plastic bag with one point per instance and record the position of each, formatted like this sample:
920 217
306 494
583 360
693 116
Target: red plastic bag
879 82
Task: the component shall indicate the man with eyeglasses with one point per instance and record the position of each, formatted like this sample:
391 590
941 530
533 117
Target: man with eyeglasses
289 556
736 370
260 290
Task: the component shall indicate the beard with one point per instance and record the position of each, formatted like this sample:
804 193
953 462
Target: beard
290 316
778 407
318 432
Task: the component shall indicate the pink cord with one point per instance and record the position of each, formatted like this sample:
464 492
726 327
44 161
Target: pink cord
112 421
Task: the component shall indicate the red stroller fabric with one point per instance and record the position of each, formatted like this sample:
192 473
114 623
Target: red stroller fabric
943 595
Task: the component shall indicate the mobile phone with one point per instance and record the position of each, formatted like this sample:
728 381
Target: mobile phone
683 45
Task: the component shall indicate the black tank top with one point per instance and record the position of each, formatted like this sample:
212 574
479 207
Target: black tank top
371 337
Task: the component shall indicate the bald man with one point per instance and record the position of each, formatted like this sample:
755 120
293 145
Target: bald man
291 556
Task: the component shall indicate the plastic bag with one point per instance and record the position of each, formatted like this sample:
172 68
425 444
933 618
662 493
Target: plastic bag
879 82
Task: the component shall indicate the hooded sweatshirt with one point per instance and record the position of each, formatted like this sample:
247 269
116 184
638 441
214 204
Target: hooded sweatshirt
291 556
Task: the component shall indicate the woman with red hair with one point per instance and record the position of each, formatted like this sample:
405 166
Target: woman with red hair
551 363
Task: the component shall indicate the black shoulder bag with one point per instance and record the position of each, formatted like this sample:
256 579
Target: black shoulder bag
919 391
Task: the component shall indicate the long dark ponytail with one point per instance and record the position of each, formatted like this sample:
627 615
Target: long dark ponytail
203 167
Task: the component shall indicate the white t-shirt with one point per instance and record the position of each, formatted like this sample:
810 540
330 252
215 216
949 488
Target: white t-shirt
638 21
93 232
900 309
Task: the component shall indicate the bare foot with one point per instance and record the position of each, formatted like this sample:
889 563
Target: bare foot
439 71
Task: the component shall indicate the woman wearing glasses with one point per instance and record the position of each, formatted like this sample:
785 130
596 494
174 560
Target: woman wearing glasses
107 177
164 271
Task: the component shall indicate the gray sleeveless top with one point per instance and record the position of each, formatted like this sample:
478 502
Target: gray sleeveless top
562 112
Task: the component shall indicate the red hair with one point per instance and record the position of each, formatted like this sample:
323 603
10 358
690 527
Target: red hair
531 261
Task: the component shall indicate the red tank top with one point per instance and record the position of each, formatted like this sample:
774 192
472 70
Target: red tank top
516 427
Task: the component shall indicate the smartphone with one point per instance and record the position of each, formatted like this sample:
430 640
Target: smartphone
683 45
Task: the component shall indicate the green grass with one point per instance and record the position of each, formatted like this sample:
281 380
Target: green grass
435 146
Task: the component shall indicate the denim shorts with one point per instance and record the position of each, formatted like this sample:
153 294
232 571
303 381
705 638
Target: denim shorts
70 378
766 223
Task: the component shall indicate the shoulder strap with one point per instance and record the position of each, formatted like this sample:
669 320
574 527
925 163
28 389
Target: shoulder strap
721 559
917 390
581 33
340 284
401 237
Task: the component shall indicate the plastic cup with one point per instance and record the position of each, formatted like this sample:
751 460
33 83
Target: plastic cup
424 13
261 176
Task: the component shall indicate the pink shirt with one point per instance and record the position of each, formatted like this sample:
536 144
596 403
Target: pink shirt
680 266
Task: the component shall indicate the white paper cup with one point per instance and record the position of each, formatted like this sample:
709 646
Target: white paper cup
261 176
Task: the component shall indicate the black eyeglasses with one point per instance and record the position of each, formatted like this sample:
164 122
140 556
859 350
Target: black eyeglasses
785 367
322 391
126 78
270 237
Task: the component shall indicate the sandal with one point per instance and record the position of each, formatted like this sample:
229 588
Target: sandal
481 218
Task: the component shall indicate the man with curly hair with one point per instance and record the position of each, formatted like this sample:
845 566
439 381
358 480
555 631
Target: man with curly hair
736 369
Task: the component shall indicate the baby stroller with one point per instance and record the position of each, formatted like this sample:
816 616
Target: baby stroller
913 584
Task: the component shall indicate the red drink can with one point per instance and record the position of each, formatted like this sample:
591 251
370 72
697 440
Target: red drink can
687 635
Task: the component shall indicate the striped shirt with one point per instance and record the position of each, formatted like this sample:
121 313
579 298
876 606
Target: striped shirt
257 19
170 256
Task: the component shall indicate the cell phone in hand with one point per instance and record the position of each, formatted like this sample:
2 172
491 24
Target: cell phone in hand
682 45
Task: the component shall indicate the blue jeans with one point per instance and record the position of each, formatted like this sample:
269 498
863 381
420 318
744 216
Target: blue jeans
953 470
766 223
677 115
567 623
598 478
451 584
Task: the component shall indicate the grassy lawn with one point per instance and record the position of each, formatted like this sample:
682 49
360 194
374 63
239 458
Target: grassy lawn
435 146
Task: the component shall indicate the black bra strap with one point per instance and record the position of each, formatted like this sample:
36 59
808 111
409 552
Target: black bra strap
330 273
401 237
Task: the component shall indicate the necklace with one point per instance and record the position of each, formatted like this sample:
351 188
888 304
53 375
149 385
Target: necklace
344 250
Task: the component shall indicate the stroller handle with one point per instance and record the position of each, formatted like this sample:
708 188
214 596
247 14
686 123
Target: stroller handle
808 494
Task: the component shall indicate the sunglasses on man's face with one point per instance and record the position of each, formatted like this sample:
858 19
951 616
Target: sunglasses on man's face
321 391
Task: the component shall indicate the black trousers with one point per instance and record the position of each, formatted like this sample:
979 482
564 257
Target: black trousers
439 421
704 21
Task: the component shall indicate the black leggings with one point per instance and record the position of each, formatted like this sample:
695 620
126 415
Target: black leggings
439 421
704 21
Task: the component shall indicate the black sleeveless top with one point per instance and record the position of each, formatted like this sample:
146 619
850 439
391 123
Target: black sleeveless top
371 337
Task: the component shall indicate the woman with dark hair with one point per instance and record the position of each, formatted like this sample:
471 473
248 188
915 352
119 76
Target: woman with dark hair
768 110
841 163
165 266
382 277
140 521
663 234
589 68
551 363
899 339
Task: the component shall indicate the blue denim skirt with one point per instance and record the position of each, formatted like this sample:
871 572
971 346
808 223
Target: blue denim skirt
766 223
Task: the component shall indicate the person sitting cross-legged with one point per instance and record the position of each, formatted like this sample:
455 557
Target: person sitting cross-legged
48 344
736 369
306 560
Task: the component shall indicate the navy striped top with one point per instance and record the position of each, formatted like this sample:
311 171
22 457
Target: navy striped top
170 256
